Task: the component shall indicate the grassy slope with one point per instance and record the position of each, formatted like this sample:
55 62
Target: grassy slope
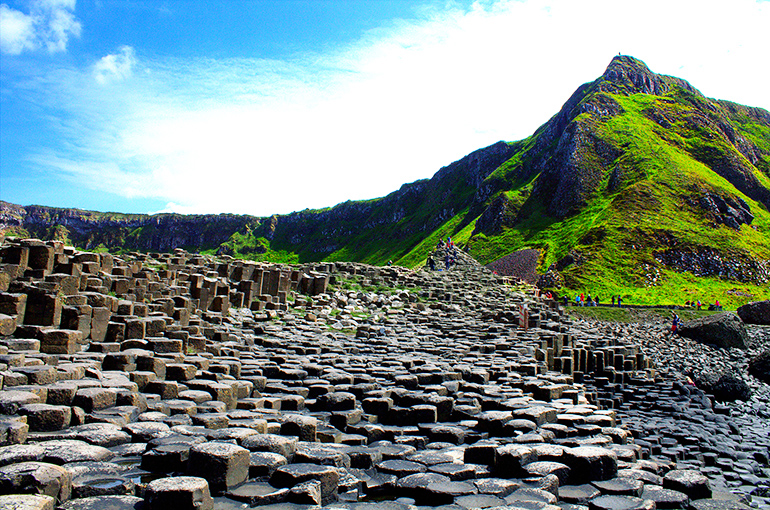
617 233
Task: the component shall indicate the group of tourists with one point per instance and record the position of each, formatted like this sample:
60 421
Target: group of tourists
716 306
450 255
584 299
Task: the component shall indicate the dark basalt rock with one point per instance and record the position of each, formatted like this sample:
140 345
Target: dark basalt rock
689 482
724 387
756 312
723 330
476 399
36 478
759 366
725 210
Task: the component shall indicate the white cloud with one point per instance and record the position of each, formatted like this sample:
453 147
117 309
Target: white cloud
261 137
17 31
49 24
115 67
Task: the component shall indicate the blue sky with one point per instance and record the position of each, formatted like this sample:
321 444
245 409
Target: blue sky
271 106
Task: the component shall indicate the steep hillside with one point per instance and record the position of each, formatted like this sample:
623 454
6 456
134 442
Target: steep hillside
636 186
639 186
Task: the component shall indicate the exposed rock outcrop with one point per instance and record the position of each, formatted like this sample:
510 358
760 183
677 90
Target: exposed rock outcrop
722 329
710 262
756 312
163 380
725 210
724 387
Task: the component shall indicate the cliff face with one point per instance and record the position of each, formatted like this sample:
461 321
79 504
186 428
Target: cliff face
417 208
139 232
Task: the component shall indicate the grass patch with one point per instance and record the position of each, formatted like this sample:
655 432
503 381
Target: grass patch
632 315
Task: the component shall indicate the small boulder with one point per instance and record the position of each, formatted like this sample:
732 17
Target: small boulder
759 366
724 387
722 329
36 478
756 312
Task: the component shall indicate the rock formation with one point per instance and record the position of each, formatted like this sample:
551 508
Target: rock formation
184 381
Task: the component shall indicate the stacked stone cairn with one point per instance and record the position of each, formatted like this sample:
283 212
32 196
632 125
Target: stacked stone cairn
182 381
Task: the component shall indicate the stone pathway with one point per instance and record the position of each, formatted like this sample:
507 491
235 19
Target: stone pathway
185 381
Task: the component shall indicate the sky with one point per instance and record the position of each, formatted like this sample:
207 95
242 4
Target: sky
271 106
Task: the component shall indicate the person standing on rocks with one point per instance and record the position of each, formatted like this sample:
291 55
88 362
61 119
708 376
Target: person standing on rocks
524 311
675 321
431 263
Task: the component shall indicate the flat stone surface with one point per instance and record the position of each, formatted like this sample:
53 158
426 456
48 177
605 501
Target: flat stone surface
63 451
14 453
620 503
293 474
665 498
578 494
182 492
690 482
104 503
27 502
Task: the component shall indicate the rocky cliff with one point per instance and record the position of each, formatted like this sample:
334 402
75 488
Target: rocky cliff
139 232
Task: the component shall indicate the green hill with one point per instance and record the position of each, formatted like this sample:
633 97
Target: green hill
643 187
638 186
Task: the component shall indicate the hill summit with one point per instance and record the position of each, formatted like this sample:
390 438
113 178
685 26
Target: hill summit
639 186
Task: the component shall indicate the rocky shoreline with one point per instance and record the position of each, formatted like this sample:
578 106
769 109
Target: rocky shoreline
182 381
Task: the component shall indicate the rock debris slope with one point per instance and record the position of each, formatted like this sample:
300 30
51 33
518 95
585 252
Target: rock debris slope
182 381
